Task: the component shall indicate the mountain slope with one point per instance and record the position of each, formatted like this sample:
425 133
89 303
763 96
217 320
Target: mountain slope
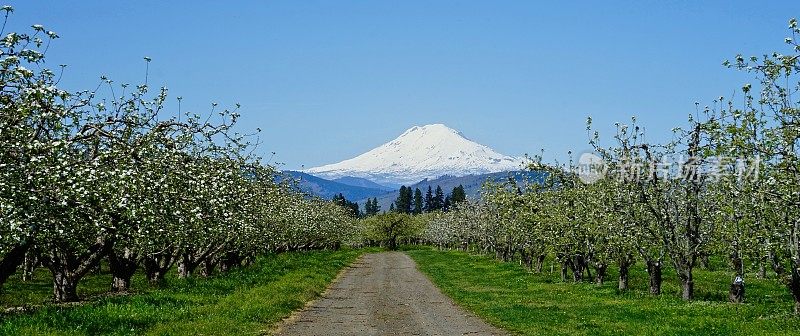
327 189
361 182
421 152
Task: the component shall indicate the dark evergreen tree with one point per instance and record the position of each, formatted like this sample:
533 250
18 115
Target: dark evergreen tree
404 201
398 202
438 199
368 207
371 207
447 204
417 202
429 200
376 208
458 195
339 199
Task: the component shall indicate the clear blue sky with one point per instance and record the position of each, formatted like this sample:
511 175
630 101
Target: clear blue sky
327 80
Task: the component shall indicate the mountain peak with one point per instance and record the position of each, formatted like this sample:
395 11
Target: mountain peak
431 130
421 152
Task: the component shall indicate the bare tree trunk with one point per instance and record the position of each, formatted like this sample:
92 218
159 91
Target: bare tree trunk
622 283
229 261
540 263
29 266
207 267
527 259
157 265
737 263
704 262
600 274
185 266
654 273
624 262
65 286
687 284
577 265
736 294
762 269
123 266
794 287
11 261
68 267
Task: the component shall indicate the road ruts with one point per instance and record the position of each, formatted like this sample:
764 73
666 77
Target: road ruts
384 294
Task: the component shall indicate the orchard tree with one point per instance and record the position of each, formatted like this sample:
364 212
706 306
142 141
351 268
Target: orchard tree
776 74
391 227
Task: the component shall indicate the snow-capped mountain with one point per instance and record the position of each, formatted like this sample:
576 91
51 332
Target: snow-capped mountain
421 152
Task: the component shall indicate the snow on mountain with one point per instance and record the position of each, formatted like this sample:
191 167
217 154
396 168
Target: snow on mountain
422 152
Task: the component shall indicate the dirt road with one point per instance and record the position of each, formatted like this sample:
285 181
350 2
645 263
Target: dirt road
384 294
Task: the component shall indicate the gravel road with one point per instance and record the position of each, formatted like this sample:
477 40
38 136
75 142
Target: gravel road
384 294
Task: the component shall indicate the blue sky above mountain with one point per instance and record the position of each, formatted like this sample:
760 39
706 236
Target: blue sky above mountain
329 80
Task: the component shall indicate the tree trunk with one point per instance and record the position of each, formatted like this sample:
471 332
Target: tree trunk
762 270
65 286
600 273
563 271
624 262
654 273
588 270
737 263
527 259
687 284
155 276
29 266
157 265
540 263
736 294
777 266
11 261
577 266
794 287
687 292
622 283
229 261
704 262
246 261
68 267
207 268
184 267
123 266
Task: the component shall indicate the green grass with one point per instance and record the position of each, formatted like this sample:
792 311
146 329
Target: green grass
246 301
508 296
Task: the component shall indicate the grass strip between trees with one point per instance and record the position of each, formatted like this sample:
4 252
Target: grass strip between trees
510 297
246 301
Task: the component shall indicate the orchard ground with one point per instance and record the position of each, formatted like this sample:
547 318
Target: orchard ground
254 299
244 301
508 296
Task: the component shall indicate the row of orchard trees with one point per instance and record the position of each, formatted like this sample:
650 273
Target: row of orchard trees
83 179
728 185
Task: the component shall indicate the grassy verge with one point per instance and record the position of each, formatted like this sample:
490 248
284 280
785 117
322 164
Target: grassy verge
509 297
245 301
